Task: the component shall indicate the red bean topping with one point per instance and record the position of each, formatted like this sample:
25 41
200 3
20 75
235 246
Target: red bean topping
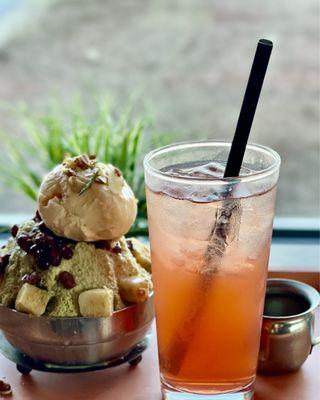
32 279
130 245
44 229
14 230
42 262
37 251
47 248
25 242
37 217
67 252
67 280
45 241
55 257
116 248
4 261
103 244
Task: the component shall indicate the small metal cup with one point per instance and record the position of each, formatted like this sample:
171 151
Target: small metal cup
287 336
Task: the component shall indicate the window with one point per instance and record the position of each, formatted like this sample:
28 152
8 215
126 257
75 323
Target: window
189 62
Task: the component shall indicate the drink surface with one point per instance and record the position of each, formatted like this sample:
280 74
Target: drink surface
203 170
209 300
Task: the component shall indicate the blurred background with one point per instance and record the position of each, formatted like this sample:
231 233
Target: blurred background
185 61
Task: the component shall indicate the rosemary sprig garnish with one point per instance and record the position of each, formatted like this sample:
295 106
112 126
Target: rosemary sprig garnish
90 182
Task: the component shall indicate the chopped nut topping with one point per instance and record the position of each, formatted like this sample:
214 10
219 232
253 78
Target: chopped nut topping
117 172
83 162
101 179
115 181
70 172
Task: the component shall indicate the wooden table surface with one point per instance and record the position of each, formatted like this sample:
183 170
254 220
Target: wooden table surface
142 382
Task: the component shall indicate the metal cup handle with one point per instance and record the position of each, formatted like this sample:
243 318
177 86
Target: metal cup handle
314 339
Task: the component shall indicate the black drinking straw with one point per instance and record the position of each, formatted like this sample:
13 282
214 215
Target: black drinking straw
248 108
226 216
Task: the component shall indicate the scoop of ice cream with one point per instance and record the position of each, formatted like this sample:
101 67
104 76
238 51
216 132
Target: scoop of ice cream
84 200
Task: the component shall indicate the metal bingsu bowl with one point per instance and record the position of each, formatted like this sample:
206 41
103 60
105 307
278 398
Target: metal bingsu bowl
77 340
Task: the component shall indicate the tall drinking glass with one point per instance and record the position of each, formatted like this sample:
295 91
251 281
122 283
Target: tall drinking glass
210 242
